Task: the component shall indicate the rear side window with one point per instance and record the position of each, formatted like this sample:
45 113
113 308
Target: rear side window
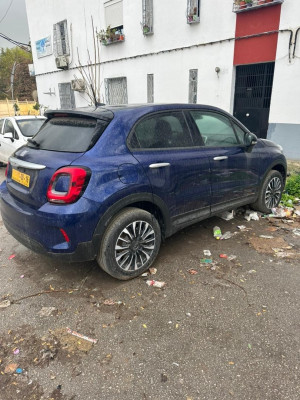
69 134
162 131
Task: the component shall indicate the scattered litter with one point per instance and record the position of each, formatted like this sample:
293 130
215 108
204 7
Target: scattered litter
145 274
12 256
296 232
81 336
217 232
243 228
231 257
10 368
266 237
4 303
19 370
192 271
156 284
16 351
206 261
223 255
176 364
249 346
252 271
251 215
207 253
144 326
46 311
109 302
22 276
227 235
58 387
297 212
188 314
280 212
152 271
163 378
227 215
231 363
48 354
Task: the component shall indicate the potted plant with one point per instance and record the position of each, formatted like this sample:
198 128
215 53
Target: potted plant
242 3
248 3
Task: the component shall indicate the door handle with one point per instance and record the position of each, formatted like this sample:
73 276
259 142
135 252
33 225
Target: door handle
220 158
159 165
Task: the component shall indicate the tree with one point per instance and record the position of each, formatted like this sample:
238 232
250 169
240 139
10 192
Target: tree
24 84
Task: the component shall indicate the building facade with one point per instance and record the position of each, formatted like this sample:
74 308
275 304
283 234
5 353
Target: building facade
242 57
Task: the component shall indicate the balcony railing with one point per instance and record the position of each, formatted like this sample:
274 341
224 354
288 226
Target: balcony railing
241 5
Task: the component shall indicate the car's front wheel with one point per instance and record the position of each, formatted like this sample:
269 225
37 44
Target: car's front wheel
270 192
130 244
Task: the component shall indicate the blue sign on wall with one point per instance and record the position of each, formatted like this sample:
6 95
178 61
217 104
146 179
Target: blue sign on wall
43 47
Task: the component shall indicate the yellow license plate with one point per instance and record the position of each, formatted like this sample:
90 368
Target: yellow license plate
20 177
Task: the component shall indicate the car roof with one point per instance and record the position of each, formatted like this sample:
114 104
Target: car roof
107 112
20 117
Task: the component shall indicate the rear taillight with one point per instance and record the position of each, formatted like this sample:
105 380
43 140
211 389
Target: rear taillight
6 170
67 185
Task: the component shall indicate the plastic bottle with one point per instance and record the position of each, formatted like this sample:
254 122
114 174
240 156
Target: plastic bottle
217 232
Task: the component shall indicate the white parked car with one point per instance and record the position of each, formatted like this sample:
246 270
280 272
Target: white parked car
15 131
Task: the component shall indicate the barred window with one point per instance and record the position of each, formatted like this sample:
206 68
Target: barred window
116 90
60 39
147 23
193 11
150 88
193 83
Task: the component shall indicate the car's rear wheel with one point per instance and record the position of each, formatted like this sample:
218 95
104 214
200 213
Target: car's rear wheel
130 244
270 192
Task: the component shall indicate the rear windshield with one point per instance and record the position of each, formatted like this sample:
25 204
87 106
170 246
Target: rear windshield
68 134
29 127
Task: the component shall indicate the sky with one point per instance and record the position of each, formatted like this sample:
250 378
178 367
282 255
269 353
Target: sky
14 24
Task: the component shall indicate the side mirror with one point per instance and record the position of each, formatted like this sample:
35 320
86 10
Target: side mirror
250 139
9 135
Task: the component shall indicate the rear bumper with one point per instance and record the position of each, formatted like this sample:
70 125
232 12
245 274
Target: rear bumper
83 252
39 230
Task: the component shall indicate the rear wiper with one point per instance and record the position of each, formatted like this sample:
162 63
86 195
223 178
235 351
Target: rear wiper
34 142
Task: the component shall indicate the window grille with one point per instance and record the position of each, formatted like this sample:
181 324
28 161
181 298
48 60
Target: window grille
60 39
193 11
66 95
193 84
147 23
150 88
116 90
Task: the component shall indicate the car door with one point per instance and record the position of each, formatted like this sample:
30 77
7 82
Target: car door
178 173
8 145
234 169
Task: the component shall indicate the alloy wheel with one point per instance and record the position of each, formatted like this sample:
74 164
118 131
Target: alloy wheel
135 245
273 192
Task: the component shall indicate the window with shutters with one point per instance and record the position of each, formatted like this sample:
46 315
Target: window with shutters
150 88
193 83
116 90
147 23
114 33
60 39
66 95
193 11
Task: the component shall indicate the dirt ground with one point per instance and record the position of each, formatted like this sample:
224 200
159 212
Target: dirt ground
221 329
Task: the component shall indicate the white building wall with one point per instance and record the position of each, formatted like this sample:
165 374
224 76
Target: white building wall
284 119
170 67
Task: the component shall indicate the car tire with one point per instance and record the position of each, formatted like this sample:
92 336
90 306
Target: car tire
130 244
270 192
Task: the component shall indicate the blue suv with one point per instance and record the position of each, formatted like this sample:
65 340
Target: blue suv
110 183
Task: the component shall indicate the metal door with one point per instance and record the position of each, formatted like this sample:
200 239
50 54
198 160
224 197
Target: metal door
253 90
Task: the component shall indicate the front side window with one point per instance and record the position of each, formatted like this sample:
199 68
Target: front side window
162 131
8 127
215 129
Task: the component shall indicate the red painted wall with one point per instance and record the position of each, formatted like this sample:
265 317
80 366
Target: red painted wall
258 49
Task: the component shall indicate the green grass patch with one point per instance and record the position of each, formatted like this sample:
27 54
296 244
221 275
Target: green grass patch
291 190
